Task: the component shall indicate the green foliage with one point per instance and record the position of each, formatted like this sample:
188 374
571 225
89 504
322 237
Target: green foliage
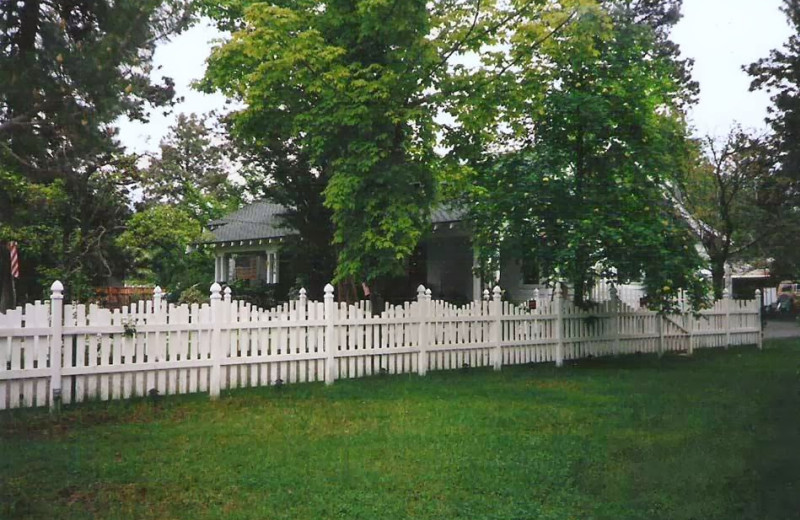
65 231
160 240
286 176
260 294
352 89
597 140
779 75
192 171
68 71
726 191
185 188
193 294
355 72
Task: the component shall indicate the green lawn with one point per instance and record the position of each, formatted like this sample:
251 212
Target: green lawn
713 436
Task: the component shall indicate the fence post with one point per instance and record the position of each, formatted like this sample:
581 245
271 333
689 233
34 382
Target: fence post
215 347
726 298
660 328
760 305
615 318
303 305
330 336
423 308
496 311
56 342
157 294
687 322
558 304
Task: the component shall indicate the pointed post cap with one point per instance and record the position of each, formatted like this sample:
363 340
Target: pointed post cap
421 289
328 290
227 292
215 290
536 294
496 292
486 294
428 293
758 293
57 290
303 292
157 291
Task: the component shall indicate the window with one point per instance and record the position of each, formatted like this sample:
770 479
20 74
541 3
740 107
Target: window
530 272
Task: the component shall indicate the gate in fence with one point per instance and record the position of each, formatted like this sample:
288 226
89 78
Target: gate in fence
51 352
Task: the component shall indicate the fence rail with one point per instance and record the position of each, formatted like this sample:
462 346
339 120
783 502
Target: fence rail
73 353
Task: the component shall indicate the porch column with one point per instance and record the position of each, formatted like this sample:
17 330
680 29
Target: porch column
218 267
476 280
272 267
230 268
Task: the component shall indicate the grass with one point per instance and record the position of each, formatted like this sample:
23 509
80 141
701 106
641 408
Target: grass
716 436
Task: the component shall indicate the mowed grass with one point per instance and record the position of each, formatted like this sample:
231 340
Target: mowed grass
715 436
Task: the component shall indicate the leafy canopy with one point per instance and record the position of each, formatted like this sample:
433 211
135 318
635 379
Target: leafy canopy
356 86
183 188
578 182
68 70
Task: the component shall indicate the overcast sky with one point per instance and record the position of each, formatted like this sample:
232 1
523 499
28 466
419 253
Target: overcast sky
720 35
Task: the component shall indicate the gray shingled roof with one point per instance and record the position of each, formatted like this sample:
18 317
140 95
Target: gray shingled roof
444 214
254 221
261 220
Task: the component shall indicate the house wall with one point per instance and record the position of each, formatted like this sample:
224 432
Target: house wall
511 280
449 267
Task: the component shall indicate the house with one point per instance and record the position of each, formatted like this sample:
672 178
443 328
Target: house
247 245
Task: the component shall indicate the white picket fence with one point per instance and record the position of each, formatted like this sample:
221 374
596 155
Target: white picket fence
51 352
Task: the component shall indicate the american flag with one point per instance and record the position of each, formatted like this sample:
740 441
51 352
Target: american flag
12 248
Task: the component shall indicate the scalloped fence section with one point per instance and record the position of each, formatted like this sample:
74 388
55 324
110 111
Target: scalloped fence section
52 353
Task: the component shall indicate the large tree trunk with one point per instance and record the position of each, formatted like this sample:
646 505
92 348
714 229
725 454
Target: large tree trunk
718 275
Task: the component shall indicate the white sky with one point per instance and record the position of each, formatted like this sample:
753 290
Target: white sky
720 35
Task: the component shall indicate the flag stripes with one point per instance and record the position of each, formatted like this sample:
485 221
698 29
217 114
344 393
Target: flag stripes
12 248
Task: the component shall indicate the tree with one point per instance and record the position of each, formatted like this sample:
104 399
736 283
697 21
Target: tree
355 87
30 212
68 70
779 74
161 240
192 171
184 188
725 195
285 175
579 184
